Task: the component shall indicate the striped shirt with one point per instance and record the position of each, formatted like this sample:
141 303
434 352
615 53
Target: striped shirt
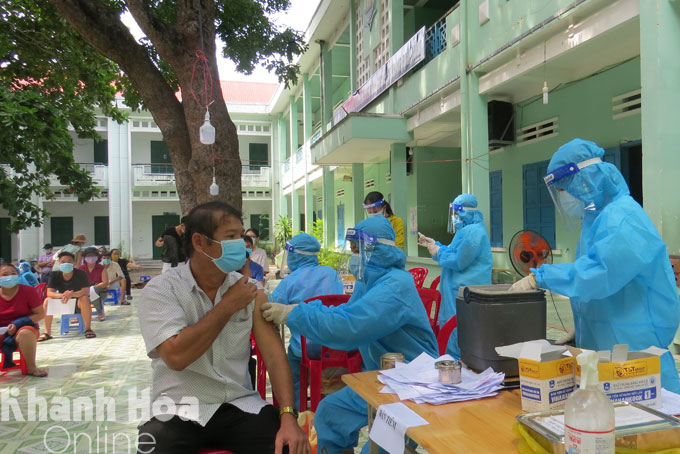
174 301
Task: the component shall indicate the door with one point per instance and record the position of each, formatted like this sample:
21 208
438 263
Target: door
61 230
261 223
101 230
341 225
5 240
496 208
101 152
160 157
158 225
539 209
258 155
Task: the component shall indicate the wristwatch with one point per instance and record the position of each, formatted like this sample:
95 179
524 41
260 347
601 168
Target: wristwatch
292 410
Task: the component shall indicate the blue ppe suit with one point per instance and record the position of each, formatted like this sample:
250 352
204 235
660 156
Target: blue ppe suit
26 275
307 279
466 261
384 314
621 285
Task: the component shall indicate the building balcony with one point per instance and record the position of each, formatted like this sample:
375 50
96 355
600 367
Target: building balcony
256 178
153 176
98 172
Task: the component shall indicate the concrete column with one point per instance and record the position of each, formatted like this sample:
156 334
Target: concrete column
397 25
352 47
399 185
293 119
307 108
660 79
326 86
114 180
125 188
358 188
283 139
29 245
276 170
329 207
309 206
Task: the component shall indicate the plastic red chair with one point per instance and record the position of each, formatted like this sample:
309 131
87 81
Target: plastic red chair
445 333
329 358
20 363
430 297
435 283
261 379
419 275
41 290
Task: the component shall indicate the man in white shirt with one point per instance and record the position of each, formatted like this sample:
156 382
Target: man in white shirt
196 322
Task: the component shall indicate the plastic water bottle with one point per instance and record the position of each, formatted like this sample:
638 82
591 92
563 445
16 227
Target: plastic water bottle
589 414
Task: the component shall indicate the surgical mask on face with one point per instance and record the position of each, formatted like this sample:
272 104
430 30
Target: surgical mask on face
9 281
354 264
571 205
458 223
66 267
233 255
106 262
90 260
370 215
115 257
48 251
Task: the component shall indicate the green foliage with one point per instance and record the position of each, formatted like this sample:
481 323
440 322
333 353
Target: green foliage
317 230
283 231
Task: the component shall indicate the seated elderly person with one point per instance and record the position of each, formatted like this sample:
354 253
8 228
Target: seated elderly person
98 278
20 312
196 322
65 284
115 275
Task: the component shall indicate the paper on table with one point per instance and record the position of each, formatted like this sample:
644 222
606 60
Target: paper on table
57 308
390 425
671 403
529 350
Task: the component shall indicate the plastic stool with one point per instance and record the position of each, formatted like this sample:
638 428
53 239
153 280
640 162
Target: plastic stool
20 363
114 296
66 324
144 278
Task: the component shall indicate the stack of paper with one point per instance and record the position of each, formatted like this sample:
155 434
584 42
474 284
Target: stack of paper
419 381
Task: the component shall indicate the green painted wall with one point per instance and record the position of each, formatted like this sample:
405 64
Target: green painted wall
585 111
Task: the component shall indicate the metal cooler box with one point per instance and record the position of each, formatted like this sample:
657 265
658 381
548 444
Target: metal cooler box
490 316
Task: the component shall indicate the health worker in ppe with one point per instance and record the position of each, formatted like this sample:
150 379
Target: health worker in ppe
306 279
26 275
621 285
376 205
466 261
384 314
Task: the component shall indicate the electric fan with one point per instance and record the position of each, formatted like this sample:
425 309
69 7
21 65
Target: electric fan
528 249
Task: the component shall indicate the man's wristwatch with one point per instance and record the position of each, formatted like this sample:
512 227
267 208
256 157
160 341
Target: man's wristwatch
292 410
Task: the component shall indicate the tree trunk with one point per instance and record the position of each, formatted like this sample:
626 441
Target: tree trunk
179 122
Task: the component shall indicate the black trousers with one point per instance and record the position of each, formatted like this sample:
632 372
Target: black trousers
229 428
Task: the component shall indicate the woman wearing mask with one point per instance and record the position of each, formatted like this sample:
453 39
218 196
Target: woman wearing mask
375 204
116 276
20 312
97 277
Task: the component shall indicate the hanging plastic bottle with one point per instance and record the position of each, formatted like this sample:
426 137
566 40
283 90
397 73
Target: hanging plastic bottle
589 414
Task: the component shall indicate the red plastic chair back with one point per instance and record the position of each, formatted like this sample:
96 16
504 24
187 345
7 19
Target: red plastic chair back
419 275
445 333
41 290
429 298
329 358
435 283
261 374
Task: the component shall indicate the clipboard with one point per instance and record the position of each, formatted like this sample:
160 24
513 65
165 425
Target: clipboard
57 308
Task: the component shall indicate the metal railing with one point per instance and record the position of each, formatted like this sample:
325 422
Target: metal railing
98 172
286 165
298 154
163 175
435 39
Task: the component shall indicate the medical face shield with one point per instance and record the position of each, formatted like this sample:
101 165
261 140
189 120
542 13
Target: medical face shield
565 180
288 250
359 247
375 208
455 223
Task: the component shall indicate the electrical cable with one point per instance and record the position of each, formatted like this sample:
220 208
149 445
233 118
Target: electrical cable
556 311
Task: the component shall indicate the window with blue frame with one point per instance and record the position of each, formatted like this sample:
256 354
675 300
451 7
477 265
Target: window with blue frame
496 208
539 209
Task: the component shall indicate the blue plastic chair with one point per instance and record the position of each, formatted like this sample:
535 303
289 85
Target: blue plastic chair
66 324
114 296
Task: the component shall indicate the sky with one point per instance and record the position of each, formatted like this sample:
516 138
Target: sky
297 17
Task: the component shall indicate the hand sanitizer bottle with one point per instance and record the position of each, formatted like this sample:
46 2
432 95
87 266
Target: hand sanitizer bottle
589 414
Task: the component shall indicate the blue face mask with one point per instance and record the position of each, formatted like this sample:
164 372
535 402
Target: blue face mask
233 255
9 281
66 267
458 223
106 262
354 264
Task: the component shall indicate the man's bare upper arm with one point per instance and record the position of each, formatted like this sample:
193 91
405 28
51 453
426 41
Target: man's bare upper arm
265 332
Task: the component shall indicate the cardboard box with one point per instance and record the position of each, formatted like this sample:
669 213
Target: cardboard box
629 376
546 376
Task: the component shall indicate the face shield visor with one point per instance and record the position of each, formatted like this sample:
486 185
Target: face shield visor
375 208
289 252
571 208
455 223
359 247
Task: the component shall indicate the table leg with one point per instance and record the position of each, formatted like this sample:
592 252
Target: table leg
372 446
